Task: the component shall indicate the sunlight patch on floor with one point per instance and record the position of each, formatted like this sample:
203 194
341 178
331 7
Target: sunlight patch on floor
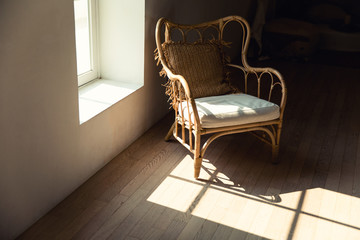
309 214
327 214
176 193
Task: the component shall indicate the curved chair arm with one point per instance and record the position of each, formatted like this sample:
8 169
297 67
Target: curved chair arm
179 78
175 77
190 102
259 73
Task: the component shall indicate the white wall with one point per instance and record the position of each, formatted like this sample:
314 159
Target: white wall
44 153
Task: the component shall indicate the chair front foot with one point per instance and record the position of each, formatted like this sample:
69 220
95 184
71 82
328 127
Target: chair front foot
197 167
275 154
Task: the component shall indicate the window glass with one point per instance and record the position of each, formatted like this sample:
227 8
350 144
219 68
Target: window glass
82 33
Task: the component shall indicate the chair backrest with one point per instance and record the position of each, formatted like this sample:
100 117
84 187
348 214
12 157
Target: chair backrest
167 31
264 82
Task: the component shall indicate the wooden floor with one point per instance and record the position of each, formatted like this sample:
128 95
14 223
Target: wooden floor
147 191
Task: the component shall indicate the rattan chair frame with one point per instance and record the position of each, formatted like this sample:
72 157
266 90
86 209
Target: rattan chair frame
189 133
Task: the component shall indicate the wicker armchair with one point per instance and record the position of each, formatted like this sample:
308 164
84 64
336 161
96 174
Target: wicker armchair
204 93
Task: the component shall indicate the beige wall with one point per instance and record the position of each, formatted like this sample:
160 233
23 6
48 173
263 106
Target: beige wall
44 153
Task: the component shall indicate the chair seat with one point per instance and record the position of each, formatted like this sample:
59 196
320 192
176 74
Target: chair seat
233 109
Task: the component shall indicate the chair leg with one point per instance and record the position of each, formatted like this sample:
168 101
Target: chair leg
170 132
275 154
197 167
275 147
197 156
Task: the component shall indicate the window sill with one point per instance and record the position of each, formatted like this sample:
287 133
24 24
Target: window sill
101 94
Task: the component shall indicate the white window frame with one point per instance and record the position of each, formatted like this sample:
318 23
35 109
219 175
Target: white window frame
94 73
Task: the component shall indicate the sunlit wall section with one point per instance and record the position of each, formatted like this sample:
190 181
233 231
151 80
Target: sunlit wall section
121 39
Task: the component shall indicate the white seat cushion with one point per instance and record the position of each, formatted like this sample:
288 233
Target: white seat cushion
233 109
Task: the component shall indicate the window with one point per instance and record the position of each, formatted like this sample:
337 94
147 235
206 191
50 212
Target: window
110 41
86 36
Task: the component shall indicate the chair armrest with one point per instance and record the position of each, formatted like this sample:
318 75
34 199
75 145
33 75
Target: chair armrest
260 73
179 82
181 79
